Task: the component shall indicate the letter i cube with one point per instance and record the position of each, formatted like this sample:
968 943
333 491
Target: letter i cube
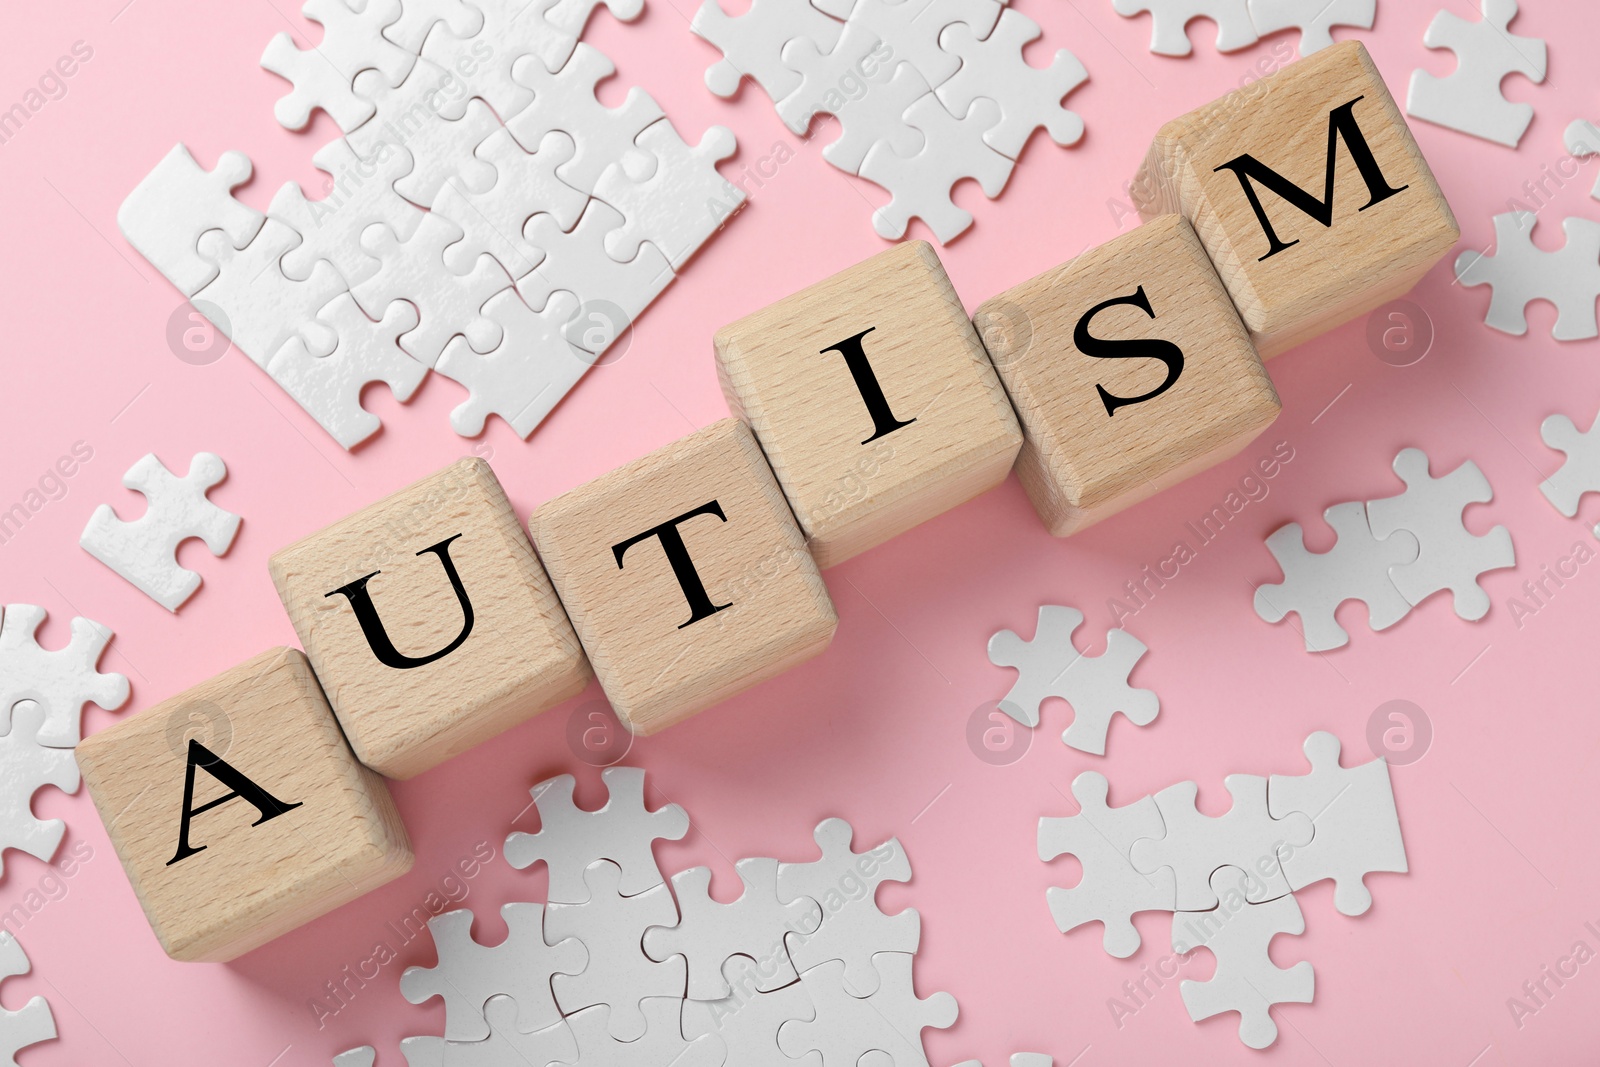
238 810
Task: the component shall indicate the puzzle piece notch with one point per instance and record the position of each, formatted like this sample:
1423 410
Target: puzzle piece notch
1356 568
26 766
1469 98
570 839
665 191
1096 686
1519 272
1449 557
61 680
506 1045
439 138
1238 932
663 1043
524 377
848 1025
919 186
33 1023
144 551
1580 471
322 75
1112 890
752 44
747 1020
1356 828
419 17
360 193
1029 97
260 307
165 214
492 221
911 31
1169 21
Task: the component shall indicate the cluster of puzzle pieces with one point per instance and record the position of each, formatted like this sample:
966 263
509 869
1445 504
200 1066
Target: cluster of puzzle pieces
925 94
486 216
1391 555
623 969
1229 880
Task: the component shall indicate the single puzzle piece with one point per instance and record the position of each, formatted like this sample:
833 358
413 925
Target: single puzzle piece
1169 20
447 304
1313 18
1238 933
439 137
911 29
1195 845
506 1045
352 41
1519 271
526 375
1582 139
920 185
747 1021
144 551
1029 97
663 1043
565 100
845 884
27 766
1469 98
569 838
165 214
260 306
1448 555
876 116
1111 890
1316 583
848 1025
59 680
31 1025
619 974
664 192
360 193
492 221
329 387
1356 829
709 933
1096 686
419 17
1580 471
752 44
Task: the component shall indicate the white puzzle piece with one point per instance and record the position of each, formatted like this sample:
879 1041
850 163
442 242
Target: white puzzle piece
261 307
1112 890
525 184
1169 20
361 194
912 30
165 214
352 41
1520 271
1469 99
1582 139
752 44
920 185
526 375
1238 933
824 74
59 680
506 1045
747 1021
34 1022
436 128
26 766
1356 829
876 116
144 551
848 1025
363 1056
510 30
1313 18
664 190
663 1043
1096 686
419 17
1029 97
1580 471
569 838
1449 557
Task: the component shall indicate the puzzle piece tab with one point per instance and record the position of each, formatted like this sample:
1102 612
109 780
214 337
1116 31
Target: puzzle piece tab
1169 20
1469 99
352 41
26 766
1580 472
34 1022
1520 271
61 680
165 214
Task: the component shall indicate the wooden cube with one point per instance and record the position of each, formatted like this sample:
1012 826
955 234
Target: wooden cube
238 810
685 576
1130 372
1309 193
429 621
872 398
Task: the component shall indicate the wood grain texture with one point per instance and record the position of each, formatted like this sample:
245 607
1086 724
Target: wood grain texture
520 657
1336 272
249 883
850 493
1080 464
657 671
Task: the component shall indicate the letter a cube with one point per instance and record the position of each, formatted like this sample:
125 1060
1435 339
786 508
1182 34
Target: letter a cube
685 576
1308 192
238 810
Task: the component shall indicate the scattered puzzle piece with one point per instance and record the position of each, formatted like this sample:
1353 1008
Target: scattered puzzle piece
26 766
1169 20
1519 272
34 1022
1582 139
60 681
165 214
1469 99
1580 472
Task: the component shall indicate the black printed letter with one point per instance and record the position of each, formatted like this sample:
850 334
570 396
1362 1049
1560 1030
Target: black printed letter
372 626
700 606
268 805
1103 348
855 357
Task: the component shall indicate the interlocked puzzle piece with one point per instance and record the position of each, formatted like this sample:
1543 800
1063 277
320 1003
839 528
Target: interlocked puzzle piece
920 185
876 116
261 308
525 184
663 1043
1029 97
165 214
709 933
752 44
1449 556
526 375
1169 20
1096 686
1313 18
663 191
511 29
469 973
570 839
1112 890
1355 568
361 194
747 1020
823 73
144 551
1237 932
419 17
913 30
1195 845
849 1025
1519 271
34 1022
506 1045
60 681
438 136
619 974
1582 139
1356 829
1580 472
1469 99
352 40
26 766
853 930
329 387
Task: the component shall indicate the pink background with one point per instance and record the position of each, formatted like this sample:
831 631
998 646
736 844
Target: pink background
1504 874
